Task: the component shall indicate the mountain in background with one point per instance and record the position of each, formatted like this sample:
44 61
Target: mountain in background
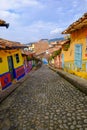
30 43
55 39
48 40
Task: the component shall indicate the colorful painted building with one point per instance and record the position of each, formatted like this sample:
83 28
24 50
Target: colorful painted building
11 63
27 60
55 56
74 60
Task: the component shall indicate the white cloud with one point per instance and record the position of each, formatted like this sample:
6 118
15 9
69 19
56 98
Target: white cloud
75 3
56 31
32 32
7 15
16 11
17 4
18 31
31 20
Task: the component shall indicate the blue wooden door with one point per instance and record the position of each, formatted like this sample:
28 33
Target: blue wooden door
78 55
62 60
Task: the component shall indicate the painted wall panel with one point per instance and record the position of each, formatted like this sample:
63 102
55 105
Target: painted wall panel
28 67
5 80
19 72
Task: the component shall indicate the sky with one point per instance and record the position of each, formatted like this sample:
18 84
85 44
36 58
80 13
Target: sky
32 20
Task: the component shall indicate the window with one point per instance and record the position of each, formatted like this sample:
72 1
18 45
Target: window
17 58
78 55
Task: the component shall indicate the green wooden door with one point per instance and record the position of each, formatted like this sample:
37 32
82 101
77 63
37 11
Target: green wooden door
11 67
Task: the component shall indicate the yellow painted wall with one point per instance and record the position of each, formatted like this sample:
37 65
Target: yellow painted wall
16 65
4 63
33 46
52 61
77 37
24 58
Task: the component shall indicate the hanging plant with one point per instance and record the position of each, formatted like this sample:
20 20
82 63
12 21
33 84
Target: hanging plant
55 54
66 46
59 51
50 58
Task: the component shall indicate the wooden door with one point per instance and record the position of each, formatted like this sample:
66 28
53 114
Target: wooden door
11 66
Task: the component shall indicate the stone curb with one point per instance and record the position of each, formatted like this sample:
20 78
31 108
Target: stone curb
78 82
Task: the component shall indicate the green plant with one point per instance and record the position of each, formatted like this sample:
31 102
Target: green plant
66 46
55 53
50 58
29 58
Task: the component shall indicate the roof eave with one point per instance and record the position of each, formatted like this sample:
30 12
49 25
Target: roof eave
81 22
4 25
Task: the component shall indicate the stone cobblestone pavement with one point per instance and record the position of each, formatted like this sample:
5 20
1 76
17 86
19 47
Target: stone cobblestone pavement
45 101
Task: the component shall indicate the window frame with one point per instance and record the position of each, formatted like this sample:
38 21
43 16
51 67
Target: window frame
78 55
17 58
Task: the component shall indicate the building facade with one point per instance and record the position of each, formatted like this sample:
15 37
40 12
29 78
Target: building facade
75 58
11 63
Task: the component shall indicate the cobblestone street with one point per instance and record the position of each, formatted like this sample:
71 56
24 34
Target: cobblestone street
45 101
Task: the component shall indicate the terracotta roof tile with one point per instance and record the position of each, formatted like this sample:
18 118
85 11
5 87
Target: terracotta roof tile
81 22
3 23
64 42
27 52
51 50
6 44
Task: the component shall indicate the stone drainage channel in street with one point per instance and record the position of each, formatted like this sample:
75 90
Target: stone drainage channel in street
44 101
